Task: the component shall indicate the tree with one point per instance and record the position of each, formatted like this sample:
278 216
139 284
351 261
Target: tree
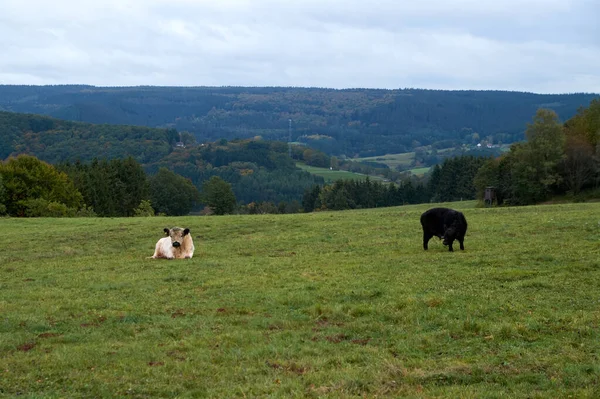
113 188
130 185
144 209
579 165
28 179
218 195
172 194
453 180
310 197
586 124
2 197
536 167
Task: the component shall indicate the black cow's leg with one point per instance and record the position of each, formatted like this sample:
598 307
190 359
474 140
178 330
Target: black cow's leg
462 247
426 238
450 246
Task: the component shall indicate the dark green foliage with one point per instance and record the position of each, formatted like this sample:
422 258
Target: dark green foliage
218 195
112 188
309 200
172 194
258 171
2 197
54 140
144 209
34 188
351 194
316 158
453 180
362 122
581 166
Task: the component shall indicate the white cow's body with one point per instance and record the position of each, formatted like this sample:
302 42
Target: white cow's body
178 245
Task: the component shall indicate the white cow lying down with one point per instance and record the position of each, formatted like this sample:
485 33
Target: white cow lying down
177 245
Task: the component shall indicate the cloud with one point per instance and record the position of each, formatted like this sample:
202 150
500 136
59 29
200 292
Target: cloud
526 45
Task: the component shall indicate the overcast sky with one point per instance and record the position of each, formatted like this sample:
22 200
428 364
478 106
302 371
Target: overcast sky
542 46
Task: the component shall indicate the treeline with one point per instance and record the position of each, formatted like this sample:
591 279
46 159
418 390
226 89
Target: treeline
450 181
121 188
453 180
30 187
115 188
557 159
353 122
355 194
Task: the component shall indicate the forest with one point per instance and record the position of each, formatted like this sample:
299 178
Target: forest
351 122
257 169
64 168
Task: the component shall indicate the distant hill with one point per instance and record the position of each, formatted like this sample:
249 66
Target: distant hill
352 122
54 140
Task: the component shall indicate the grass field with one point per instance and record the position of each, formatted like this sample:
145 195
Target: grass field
333 175
419 171
391 160
395 160
333 304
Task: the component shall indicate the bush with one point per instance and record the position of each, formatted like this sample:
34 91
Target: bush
144 209
39 207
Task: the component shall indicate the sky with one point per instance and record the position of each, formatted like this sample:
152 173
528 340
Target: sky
541 46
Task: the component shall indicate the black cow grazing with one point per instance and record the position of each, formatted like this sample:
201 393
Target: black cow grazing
444 223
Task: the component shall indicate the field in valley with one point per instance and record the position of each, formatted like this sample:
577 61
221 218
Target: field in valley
391 160
333 304
333 175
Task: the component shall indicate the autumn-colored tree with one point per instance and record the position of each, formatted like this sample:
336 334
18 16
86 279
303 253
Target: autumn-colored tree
586 124
534 170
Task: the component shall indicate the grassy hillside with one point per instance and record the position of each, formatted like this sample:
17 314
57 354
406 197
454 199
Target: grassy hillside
333 175
333 305
391 160
419 171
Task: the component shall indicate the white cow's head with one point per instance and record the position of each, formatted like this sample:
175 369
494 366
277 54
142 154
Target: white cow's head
176 234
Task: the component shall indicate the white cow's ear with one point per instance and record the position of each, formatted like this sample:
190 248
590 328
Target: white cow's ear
186 232
167 231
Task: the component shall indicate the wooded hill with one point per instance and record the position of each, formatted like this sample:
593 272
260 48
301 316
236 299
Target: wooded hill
352 122
257 170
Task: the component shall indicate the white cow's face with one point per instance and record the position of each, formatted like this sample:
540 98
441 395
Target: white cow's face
176 234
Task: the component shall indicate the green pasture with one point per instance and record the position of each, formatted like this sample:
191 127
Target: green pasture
391 160
419 171
333 175
321 305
